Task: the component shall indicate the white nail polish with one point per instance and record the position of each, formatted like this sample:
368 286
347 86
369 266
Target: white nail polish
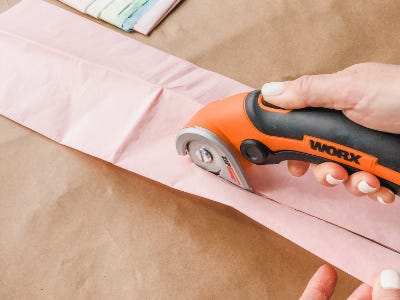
332 180
273 89
365 188
389 280
380 200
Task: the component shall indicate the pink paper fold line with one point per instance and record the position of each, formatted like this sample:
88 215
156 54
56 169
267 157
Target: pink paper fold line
114 98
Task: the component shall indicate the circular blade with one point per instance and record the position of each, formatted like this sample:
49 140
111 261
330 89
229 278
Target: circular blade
204 156
210 153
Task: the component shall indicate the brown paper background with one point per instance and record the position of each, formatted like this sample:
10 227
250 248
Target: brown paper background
75 227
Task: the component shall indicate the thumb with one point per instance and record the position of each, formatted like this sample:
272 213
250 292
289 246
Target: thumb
321 285
387 286
333 91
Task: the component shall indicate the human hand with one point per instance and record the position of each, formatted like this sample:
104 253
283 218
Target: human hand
368 94
322 285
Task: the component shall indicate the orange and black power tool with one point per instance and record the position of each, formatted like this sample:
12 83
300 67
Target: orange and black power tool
228 136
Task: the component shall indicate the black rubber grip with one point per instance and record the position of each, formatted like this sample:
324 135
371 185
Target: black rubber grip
325 124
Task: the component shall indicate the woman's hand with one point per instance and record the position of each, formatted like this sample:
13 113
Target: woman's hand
322 285
368 94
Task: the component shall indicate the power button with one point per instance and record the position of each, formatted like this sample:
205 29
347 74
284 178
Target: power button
254 151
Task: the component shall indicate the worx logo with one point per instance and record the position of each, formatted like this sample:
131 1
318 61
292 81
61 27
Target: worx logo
333 151
226 161
230 170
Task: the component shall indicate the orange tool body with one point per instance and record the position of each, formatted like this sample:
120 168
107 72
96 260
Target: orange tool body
233 134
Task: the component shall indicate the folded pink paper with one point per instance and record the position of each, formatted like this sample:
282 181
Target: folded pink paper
85 89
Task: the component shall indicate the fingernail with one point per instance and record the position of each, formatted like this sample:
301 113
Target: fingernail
365 188
390 280
332 180
381 201
273 89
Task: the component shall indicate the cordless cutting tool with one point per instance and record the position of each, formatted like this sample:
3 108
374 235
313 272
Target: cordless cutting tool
228 136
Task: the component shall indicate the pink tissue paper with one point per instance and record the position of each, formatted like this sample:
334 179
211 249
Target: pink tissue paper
97 91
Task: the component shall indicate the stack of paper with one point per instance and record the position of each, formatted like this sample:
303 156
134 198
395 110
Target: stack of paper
130 15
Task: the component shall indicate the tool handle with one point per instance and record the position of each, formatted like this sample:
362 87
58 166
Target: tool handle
317 135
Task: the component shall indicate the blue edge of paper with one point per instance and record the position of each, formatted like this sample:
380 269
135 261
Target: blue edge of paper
134 18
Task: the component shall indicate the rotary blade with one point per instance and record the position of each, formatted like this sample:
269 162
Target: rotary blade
211 153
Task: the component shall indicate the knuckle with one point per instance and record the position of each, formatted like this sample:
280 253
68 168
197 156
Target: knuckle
303 86
361 68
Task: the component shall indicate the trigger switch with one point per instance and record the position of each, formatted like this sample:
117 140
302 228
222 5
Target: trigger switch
254 151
